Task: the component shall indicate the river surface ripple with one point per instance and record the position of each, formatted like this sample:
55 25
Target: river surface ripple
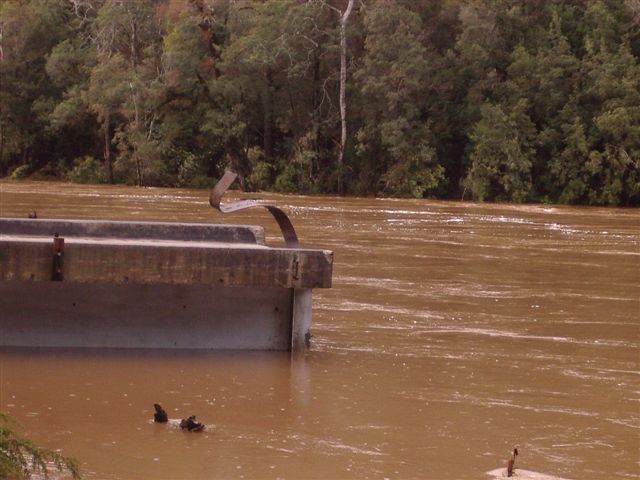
453 332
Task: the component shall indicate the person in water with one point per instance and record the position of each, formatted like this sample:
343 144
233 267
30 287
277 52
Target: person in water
511 462
191 424
160 416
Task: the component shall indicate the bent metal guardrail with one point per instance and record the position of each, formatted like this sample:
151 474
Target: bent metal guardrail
286 227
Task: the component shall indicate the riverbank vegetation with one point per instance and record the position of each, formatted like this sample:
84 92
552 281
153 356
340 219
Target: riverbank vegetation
21 458
501 100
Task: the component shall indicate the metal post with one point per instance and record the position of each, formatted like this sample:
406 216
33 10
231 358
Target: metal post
58 250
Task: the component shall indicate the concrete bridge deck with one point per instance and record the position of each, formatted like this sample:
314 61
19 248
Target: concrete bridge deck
72 283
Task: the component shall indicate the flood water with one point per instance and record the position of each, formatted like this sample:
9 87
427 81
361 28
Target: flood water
453 332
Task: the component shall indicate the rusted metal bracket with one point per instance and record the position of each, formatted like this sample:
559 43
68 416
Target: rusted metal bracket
58 251
286 227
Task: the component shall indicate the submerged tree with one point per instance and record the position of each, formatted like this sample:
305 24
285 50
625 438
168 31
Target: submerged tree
20 458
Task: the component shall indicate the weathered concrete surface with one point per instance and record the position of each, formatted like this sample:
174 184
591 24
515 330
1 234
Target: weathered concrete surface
61 314
155 285
121 252
301 325
134 230
141 261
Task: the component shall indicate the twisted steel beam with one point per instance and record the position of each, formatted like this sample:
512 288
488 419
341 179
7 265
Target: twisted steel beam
286 227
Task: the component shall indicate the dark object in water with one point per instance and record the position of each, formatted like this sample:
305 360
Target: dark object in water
33 214
160 416
191 424
512 461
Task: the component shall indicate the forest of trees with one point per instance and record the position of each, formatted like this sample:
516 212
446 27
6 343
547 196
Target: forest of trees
496 100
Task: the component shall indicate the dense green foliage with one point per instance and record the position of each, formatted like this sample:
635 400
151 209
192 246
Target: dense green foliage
507 100
19 458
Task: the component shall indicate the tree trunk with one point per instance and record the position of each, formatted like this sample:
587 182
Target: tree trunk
139 169
1 133
107 147
137 135
134 41
239 161
343 94
315 112
267 106
25 155
1 144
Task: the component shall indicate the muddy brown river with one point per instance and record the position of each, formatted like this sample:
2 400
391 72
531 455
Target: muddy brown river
453 332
